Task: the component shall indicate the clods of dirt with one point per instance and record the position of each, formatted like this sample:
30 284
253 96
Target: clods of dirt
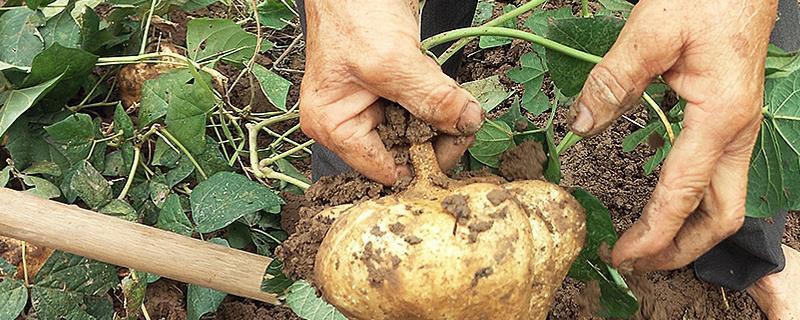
165 300
241 310
523 162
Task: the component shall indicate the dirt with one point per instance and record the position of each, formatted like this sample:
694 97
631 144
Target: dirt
523 162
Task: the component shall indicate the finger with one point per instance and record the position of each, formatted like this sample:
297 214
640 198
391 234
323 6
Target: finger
449 149
684 178
721 212
404 75
643 51
357 142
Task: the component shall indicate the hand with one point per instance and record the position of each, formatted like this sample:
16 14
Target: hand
359 51
712 54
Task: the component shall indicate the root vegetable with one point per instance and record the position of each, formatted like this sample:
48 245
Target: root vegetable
445 249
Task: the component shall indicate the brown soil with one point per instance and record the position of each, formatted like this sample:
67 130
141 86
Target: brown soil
523 162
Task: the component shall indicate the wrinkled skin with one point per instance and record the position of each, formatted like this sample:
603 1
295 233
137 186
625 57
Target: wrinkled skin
359 51
398 257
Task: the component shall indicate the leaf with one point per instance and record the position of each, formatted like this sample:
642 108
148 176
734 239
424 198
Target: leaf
275 87
491 141
537 104
181 172
5 175
134 287
159 191
622 6
303 300
553 170
286 167
45 168
192 5
274 279
203 300
123 122
65 283
20 100
13 298
172 218
592 35
537 22
483 12
7 270
216 38
487 42
638 137
239 235
120 209
490 92
158 92
19 39
34 4
186 115
781 63
61 29
226 197
616 301
41 188
274 14
211 160
774 178
90 185
73 136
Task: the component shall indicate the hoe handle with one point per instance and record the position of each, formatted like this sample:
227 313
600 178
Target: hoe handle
119 242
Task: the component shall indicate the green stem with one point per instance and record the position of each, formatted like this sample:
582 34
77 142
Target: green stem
128 183
272 174
143 47
267 162
569 140
510 33
184 150
661 116
585 9
458 45
107 61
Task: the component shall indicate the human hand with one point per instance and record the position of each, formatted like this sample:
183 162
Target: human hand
359 51
712 54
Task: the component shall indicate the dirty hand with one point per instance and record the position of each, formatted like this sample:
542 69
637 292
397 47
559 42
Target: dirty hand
359 51
712 54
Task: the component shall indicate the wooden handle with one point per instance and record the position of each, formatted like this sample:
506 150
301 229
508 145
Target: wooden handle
136 246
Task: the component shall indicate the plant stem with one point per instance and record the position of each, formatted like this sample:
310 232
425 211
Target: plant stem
265 171
491 23
107 61
147 26
137 151
661 116
185 151
585 9
569 140
510 33
285 154
25 263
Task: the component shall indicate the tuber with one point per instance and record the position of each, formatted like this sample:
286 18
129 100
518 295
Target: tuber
447 249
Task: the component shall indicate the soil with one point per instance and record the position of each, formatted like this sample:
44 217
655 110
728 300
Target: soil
523 162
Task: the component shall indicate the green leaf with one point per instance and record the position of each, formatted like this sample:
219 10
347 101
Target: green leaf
192 5
19 37
13 298
622 6
120 209
186 116
274 279
134 289
214 38
774 178
513 117
275 87
157 94
537 22
181 172
487 42
159 191
73 136
123 122
490 92
172 217
45 168
35 4
7 270
553 170
5 175
226 197
530 74
115 165
61 29
90 185
20 100
286 167
302 298
211 160
638 137
65 283
616 300
274 14
781 63
537 104
592 35
41 188
483 12
494 138
203 300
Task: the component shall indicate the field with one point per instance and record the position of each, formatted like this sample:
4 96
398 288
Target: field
154 119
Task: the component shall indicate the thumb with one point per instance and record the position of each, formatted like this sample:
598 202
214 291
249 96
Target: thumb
641 53
416 82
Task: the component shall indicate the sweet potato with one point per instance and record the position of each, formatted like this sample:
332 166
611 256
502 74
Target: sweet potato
445 249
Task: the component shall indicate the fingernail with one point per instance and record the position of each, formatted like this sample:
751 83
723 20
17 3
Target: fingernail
582 118
471 119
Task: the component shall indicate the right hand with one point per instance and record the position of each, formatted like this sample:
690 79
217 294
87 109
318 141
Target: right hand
359 51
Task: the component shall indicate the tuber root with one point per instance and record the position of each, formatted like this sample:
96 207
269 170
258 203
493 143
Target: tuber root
445 249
